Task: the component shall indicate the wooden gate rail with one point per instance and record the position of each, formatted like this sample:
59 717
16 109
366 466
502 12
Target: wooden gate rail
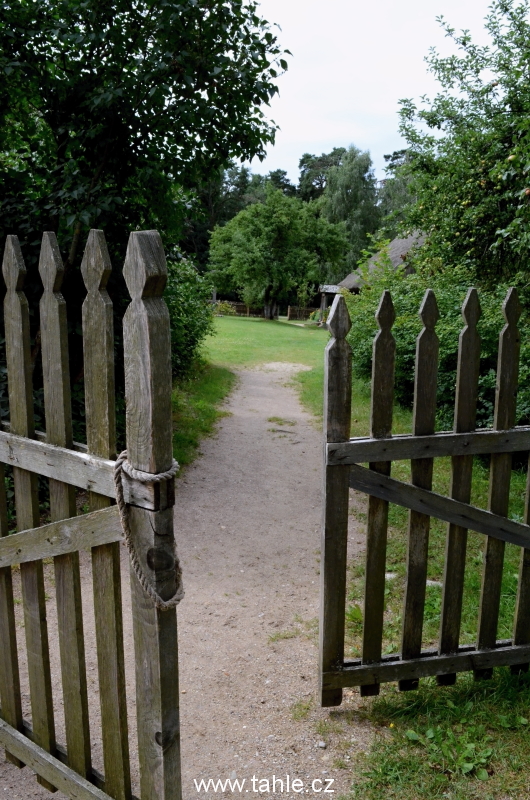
343 461
78 468
66 464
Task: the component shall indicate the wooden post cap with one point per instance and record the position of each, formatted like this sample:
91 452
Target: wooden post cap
95 266
385 314
51 268
145 270
13 267
511 308
429 313
471 310
339 322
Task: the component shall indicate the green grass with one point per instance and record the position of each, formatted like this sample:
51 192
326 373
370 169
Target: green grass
239 342
242 342
196 407
466 742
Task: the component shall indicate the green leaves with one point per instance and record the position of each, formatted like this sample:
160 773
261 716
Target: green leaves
463 750
476 155
272 247
120 91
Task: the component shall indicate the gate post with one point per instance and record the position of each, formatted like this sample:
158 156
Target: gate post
337 421
146 336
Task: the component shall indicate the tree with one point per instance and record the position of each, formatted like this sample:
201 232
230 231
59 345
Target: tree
314 171
112 112
105 106
279 179
395 195
275 247
469 151
350 196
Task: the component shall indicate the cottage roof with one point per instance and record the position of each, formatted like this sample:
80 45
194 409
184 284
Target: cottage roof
397 252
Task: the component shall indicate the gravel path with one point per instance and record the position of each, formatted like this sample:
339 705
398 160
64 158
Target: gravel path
247 524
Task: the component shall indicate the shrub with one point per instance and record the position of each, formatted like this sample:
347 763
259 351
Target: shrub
450 287
188 297
225 308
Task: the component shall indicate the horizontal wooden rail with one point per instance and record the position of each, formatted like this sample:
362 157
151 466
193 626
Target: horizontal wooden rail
47 766
407 446
436 505
58 538
77 468
96 777
430 663
5 425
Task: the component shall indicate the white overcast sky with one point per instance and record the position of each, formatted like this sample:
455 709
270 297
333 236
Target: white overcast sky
352 62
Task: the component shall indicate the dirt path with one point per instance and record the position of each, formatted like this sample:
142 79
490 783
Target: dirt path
248 516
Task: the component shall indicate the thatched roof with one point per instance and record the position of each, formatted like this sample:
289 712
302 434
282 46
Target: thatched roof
397 252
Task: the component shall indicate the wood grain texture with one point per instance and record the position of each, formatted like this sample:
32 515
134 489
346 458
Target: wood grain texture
62 537
500 473
53 771
58 412
9 673
425 384
334 538
98 352
382 403
439 506
77 468
149 445
461 476
521 632
430 663
404 446
16 321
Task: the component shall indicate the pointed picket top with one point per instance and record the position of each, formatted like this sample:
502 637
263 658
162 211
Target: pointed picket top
428 312
511 307
51 266
385 314
339 322
471 310
145 270
13 267
96 266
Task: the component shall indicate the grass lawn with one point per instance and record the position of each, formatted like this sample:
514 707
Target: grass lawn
463 742
241 342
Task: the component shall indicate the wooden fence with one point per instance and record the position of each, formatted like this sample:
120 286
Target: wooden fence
68 766
297 312
343 469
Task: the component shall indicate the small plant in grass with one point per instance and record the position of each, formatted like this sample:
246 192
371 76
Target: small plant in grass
301 709
224 308
281 635
466 742
459 750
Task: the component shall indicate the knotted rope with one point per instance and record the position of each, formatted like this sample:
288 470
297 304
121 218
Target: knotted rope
122 465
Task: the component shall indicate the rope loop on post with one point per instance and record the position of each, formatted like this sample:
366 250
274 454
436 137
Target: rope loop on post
122 465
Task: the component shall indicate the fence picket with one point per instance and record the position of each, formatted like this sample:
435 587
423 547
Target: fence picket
98 352
421 471
383 360
149 445
334 540
461 475
500 474
9 673
521 632
16 320
57 404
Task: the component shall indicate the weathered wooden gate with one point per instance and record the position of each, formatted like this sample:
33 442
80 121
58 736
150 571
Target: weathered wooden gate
343 469
53 454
